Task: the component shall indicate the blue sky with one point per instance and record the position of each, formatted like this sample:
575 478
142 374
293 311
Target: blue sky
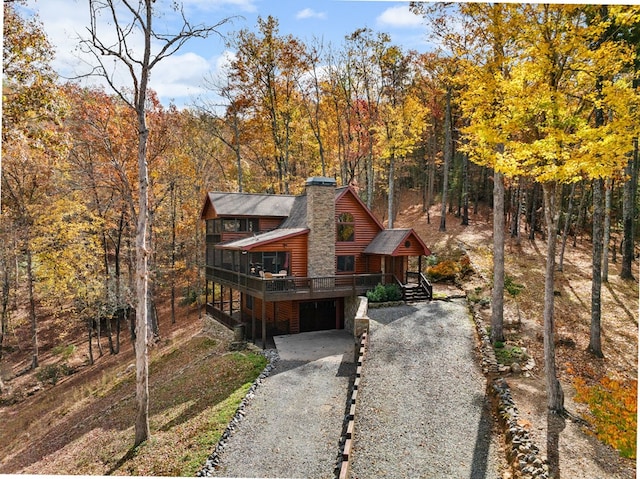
180 79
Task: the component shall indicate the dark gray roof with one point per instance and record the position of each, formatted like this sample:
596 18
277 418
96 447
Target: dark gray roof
251 204
387 241
298 214
252 241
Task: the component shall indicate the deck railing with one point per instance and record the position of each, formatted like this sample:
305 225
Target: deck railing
277 286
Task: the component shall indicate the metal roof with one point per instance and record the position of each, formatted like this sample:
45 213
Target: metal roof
263 238
251 204
388 241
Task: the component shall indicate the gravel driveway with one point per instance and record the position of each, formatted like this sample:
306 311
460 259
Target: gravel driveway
421 411
293 425
422 408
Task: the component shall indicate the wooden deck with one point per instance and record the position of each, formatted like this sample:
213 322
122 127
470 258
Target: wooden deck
298 288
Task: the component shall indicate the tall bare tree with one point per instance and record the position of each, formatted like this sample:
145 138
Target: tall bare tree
129 22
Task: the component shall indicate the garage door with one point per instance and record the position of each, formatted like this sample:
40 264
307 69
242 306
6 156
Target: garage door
317 316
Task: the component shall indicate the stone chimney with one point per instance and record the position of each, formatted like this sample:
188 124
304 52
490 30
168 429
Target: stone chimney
321 221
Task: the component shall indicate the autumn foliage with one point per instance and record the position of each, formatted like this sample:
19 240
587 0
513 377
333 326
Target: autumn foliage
613 409
450 269
544 94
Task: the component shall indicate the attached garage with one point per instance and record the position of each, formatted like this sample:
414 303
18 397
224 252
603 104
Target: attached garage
321 315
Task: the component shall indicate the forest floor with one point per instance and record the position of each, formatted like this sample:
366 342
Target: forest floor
82 424
576 452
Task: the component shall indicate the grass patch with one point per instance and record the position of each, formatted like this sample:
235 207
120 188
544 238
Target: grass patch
194 390
190 412
182 450
508 354
613 407
65 352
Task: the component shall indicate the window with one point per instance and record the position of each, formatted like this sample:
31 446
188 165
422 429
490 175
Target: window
229 225
232 225
345 228
346 264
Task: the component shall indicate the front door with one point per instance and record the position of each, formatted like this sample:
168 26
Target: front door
317 316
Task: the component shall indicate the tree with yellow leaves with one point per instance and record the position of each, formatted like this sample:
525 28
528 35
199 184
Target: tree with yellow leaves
538 122
32 144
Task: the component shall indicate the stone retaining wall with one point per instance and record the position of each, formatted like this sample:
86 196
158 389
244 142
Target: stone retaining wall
350 417
522 454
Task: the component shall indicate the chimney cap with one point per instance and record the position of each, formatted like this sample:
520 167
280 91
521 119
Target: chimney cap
320 181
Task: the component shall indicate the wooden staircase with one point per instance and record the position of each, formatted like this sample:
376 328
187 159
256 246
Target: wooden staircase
413 293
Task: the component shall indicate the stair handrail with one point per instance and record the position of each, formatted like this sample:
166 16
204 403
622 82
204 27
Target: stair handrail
426 285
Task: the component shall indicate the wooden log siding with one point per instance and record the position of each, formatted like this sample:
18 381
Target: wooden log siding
365 230
268 224
414 248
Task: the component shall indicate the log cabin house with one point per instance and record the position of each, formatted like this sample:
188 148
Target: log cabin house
284 264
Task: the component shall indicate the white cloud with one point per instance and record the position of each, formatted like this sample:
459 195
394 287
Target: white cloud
223 62
399 17
178 76
309 13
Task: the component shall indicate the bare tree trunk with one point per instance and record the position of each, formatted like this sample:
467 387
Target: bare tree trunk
514 227
628 213
497 295
567 224
607 230
173 253
532 218
448 152
431 182
107 276
142 431
141 344
555 395
90 339
118 280
465 190
581 213
153 329
6 290
98 329
32 309
16 269
370 178
391 190
199 278
595 346
236 149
